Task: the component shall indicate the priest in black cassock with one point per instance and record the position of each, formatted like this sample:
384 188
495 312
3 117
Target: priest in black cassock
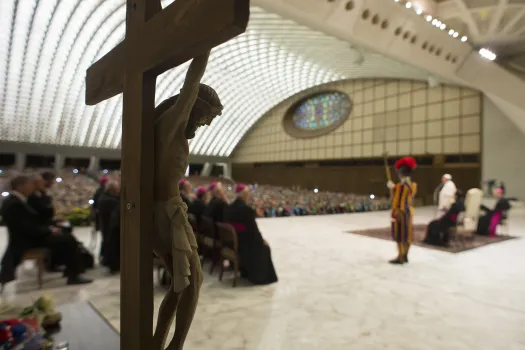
218 203
198 206
185 189
256 263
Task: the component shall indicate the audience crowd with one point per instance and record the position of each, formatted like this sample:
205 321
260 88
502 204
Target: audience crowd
74 191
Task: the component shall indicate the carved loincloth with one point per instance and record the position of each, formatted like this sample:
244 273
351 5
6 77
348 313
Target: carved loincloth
174 235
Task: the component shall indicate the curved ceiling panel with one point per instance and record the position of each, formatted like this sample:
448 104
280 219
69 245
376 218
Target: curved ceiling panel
47 45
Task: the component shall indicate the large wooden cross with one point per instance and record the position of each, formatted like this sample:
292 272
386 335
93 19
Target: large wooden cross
156 40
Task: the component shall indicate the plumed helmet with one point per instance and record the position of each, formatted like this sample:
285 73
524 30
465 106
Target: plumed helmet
407 162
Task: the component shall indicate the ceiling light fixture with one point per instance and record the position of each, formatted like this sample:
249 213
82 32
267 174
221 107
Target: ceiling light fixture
455 35
408 5
487 54
464 38
429 18
419 11
450 32
442 26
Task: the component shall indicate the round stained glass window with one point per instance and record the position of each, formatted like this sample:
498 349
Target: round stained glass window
318 114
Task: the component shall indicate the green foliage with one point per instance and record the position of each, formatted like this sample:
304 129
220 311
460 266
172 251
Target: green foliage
79 217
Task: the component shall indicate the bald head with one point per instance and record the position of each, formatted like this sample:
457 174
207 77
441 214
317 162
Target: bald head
23 184
39 182
113 188
244 193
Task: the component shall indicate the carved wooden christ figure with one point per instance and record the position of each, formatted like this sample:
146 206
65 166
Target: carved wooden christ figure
155 151
174 241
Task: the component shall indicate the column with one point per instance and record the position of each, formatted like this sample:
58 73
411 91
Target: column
227 170
20 161
59 162
94 163
206 169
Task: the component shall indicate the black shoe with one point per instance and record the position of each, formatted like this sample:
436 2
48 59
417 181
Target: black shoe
396 261
53 269
74 281
405 260
114 271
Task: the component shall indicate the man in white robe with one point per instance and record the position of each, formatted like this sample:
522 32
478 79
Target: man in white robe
446 195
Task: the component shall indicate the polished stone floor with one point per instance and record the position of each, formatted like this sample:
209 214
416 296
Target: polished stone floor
336 291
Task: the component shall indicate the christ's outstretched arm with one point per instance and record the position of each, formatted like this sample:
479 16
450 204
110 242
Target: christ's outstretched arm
179 114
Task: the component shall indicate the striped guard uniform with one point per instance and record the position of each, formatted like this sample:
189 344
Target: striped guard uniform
403 214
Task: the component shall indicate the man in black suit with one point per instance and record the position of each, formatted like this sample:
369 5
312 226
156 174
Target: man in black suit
108 202
254 251
41 201
26 231
112 248
94 207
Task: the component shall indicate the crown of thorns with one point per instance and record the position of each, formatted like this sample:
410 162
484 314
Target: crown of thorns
210 96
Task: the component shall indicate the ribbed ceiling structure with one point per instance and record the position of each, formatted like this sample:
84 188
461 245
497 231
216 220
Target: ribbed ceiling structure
496 24
47 45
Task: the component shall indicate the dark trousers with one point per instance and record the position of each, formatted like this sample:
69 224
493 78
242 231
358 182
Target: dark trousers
438 233
65 249
112 251
56 259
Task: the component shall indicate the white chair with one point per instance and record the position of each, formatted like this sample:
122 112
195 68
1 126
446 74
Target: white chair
466 228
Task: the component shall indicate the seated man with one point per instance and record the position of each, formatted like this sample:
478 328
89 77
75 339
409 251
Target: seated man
27 232
198 206
42 203
488 223
438 230
217 204
256 258
185 189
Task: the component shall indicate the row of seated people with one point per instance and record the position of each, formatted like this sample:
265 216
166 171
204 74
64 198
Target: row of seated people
256 263
281 201
29 215
438 230
321 209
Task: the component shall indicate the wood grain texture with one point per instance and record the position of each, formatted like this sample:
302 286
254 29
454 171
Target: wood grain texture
183 30
137 212
85 329
136 281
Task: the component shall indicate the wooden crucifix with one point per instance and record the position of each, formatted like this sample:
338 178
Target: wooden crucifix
156 40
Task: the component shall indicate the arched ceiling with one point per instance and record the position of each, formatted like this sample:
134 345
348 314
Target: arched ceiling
496 24
47 45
